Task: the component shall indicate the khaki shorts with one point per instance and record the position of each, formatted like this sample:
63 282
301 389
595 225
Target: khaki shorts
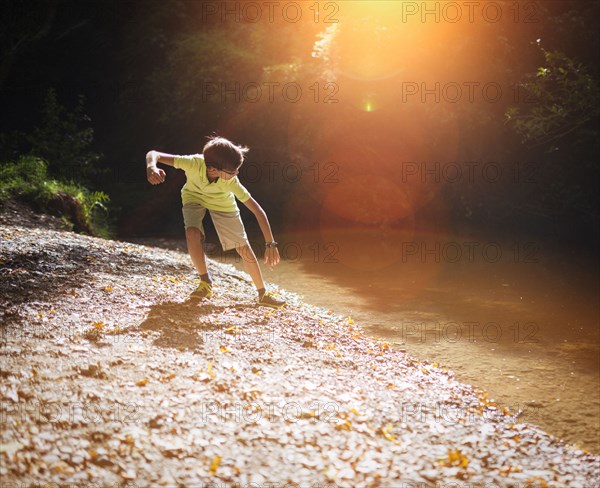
229 225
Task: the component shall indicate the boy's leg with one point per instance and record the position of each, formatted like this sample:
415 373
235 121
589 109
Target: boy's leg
251 265
232 234
193 214
194 235
253 269
194 238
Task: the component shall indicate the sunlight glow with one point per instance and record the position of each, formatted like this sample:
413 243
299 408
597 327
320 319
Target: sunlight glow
389 130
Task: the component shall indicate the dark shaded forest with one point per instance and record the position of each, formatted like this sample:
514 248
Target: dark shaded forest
375 115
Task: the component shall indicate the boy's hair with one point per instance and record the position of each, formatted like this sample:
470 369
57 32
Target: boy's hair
221 153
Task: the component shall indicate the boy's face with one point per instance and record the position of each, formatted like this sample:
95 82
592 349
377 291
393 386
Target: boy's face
213 170
226 174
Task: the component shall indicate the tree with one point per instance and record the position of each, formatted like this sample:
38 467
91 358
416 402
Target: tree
24 24
565 99
63 138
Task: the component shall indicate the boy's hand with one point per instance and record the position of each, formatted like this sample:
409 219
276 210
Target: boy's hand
155 175
272 256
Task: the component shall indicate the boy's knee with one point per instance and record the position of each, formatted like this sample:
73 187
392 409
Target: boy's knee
194 233
246 252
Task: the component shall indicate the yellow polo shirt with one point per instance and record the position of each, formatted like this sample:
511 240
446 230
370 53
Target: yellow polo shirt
213 196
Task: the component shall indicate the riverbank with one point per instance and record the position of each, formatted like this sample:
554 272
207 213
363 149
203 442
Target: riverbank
526 331
110 374
523 327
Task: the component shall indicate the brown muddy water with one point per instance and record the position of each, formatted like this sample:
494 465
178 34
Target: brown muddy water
517 318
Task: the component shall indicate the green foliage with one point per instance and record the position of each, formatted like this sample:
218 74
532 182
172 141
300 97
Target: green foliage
27 179
54 175
198 63
24 178
24 24
561 97
558 120
63 139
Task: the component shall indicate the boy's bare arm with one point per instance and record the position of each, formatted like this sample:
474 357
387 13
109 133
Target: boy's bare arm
154 174
271 253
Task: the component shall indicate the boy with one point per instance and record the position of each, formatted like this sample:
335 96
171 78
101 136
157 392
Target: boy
212 184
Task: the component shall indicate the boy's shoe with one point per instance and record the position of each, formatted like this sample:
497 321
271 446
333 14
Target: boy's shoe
267 300
204 290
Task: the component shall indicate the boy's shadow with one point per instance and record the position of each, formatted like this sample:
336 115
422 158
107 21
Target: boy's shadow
180 323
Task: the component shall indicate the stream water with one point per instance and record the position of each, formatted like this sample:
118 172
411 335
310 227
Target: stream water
516 319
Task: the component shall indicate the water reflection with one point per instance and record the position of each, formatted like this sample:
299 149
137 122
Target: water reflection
514 318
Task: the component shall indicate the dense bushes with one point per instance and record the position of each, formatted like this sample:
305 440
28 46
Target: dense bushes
52 167
27 179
